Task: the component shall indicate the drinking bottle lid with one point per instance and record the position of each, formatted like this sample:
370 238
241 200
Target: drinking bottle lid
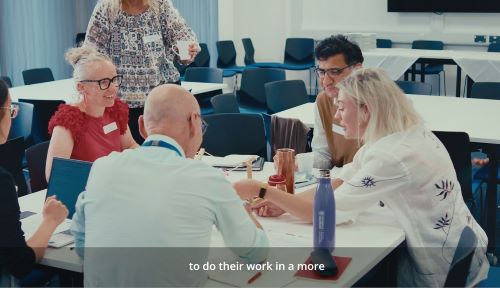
324 173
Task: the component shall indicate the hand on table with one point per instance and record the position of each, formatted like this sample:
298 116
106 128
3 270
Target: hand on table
54 211
265 208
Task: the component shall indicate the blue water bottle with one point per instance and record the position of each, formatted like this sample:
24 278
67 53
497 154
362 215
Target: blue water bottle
324 213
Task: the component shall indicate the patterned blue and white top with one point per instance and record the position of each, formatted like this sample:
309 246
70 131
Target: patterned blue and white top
411 173
141 46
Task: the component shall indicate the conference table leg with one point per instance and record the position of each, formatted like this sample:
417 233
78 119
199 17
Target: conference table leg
459 81
413 71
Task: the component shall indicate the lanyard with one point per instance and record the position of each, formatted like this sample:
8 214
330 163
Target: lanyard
159 143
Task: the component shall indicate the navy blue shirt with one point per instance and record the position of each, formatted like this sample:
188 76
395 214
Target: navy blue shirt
15 255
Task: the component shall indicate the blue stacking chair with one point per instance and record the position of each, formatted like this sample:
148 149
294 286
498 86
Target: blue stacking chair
494 47
227 56
249 56
285 94
38 75
486 90
410 87
225 103
235 133
299 54
11 159
21 125
431 69
7 81
42 112
36 157
205 75
384 43
462 259
252 94
458 146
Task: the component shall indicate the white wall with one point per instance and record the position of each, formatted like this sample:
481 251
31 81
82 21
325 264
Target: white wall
269 23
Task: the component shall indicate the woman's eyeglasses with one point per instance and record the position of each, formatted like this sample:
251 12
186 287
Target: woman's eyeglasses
13 110
106 82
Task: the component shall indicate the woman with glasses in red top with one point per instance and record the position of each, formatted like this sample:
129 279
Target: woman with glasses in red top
98 124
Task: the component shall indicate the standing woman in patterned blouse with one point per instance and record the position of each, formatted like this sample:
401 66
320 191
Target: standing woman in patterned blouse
140 37
97 124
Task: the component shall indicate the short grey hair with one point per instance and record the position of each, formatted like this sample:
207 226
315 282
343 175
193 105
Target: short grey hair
390 110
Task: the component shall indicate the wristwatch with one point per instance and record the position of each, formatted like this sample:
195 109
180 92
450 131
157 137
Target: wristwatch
263 189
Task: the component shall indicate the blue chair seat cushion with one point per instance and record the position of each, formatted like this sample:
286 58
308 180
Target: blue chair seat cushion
237 69
297 66
265 65
228 73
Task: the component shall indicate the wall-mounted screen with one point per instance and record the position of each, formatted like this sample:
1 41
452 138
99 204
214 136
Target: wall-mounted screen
470 6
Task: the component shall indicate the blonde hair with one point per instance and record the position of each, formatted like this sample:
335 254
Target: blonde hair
390 110
80 57
115 6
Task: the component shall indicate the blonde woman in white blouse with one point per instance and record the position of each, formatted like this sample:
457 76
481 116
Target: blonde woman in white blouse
403 164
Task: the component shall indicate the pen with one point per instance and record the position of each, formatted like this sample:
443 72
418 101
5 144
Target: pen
254 277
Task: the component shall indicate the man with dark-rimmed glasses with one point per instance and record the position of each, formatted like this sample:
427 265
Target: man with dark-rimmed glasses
337 58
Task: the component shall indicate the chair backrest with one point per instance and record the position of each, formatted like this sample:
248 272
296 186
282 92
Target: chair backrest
459 147
427 44
384 43
36 157
7 80
299 51
485 90
226 54
460 265
11 159
38 75
225 103
202 59
203 74
133 123
79 39
181 68
235 133
42 112
410 87
494 47
249 51
252 89
285 94
21 125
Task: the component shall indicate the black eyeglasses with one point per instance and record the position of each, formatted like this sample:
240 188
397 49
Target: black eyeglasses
332 72
106 82
13 110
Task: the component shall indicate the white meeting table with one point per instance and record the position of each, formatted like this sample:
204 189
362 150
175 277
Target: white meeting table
476 117
479 66
65 90
375 231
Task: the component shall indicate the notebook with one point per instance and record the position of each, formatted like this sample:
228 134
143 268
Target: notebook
234 161
68 179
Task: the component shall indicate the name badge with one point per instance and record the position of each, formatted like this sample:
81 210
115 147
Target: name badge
110 128
338 129
151 38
